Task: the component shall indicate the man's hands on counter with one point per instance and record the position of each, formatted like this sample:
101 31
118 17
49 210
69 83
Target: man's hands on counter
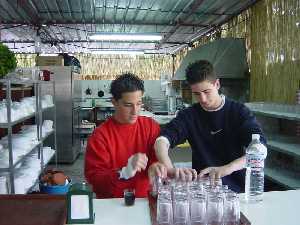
222 171
157 169
184 174
216 172
160 170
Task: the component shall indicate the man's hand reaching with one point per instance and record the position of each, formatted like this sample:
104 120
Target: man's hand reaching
157 169
216 172
184 174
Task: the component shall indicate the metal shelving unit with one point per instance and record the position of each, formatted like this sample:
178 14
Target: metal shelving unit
38 115
282 165
285 144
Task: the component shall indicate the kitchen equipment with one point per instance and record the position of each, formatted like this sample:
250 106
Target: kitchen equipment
100 93
88 91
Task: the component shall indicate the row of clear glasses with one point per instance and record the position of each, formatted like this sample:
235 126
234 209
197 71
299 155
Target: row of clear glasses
200 202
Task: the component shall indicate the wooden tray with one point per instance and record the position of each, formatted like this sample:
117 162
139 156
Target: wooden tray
152 206
32 209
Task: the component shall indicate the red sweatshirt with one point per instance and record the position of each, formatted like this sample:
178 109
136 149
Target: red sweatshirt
108 150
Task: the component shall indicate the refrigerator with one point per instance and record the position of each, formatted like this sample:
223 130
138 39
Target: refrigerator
67 112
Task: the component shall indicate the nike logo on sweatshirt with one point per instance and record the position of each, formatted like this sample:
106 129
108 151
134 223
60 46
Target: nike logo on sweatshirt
215 132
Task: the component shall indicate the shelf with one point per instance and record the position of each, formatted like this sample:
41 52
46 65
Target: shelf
279 115
25 82
285 144
86 108
278 170
31 176
30 189
47 108
275 110
283 177
47 135
19 89
33 148
6 125
37 178
29 152
22 158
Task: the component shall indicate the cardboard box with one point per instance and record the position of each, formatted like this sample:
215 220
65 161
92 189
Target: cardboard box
49 61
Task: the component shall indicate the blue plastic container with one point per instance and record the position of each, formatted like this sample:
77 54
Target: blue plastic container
55 189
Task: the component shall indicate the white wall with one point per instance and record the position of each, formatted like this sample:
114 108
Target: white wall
152 88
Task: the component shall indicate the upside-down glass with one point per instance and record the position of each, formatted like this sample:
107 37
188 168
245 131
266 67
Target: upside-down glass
181 208
214 210
155 186
198 209
164 209
231 214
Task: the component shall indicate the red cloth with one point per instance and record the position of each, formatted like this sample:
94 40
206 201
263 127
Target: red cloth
108 150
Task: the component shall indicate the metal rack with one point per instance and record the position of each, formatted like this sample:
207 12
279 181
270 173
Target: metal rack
283 145
38 115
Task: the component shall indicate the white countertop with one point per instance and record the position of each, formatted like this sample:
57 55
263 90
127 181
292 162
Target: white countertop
161 119
104 104
114 212
277 208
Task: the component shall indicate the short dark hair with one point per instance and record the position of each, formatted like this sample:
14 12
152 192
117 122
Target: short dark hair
127 82
199 71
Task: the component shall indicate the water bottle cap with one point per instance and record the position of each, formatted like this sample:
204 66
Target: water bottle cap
255 136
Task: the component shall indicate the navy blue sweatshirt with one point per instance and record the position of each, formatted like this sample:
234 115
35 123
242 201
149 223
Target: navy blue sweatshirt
216 137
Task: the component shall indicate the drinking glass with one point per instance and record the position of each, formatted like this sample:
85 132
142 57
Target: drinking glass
164 209
181 209
155 186
198 209
214 209
231 209
216 182
129 196
205 180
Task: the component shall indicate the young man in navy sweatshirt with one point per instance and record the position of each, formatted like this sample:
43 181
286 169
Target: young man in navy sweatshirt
217 128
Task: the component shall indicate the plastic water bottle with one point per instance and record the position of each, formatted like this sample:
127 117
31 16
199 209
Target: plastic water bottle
255 156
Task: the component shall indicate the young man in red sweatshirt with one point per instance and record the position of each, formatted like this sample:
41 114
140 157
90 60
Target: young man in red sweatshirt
120 152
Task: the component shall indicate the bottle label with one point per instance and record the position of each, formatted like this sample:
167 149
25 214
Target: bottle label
255 160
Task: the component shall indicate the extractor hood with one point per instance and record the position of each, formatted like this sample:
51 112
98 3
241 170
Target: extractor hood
228 55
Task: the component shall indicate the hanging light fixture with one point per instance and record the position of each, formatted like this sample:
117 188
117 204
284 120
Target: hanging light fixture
117 52
125 37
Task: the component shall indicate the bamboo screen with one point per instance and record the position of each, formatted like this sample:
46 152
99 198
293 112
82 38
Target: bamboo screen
25 60
147 67
275 57
271 30
97 67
